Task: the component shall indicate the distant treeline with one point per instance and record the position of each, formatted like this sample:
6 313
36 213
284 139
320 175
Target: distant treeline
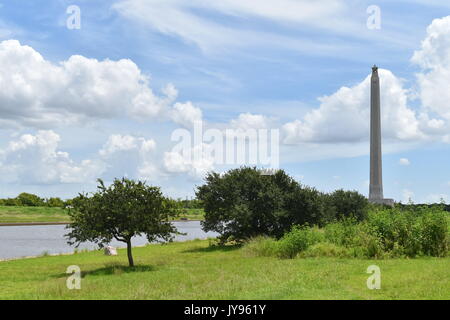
31 200
444 206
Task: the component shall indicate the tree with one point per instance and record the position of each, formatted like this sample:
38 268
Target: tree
243 203
121 211
30 200
347 204
55 202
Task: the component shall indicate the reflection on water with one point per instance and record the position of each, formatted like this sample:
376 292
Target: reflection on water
16 242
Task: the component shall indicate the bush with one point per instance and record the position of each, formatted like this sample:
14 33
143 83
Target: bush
347 204
55 202
12 202
412 232
242 204
30 200
298 240
390 232
261 247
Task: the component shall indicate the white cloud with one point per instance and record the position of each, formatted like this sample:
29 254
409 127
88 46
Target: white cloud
195 166
434 58
344 116
35 159
128 155
186 114
38 93
184 19
250 121
404 162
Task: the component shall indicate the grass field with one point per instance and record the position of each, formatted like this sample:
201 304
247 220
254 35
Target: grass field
47 214
32 214
193 270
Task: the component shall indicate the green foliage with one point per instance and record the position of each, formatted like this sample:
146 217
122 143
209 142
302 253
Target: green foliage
10 202
30 200
390 232
298 240
242 204
121 211
344 204
55 203
261 247
412 231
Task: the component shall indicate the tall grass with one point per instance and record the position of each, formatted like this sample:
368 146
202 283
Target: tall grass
392 232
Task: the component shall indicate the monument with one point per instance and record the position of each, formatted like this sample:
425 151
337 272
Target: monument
376 170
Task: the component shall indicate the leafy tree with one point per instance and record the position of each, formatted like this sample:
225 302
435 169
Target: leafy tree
121 211
343 204
30 200
55 202
243 203
12 202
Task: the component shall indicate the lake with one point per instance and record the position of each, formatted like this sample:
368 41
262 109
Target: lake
24 241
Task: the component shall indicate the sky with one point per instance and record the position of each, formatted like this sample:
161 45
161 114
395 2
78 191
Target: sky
107 89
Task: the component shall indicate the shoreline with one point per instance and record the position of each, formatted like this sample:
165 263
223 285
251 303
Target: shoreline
74 252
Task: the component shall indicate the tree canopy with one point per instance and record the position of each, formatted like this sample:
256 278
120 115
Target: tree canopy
125 209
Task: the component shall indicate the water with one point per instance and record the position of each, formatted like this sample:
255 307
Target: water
24 241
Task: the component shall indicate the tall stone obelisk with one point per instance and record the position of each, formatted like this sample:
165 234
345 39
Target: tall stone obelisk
376 168
376 174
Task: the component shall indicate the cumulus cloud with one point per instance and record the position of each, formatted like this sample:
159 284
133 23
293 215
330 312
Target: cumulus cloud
434 59
128 155
186 114
344 115
38 93
36 159
196 161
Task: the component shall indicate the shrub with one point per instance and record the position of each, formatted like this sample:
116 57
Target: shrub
55 202
242 204
298 240
28 199
261 247
411 232
347 204
342 233
12 202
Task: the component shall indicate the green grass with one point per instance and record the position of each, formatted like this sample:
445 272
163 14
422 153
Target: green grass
192 270
16 214
32 214
191 214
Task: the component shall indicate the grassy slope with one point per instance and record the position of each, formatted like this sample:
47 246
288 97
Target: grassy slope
46 214
193 271
32 214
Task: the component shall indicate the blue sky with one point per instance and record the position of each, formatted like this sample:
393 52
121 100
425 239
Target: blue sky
104 100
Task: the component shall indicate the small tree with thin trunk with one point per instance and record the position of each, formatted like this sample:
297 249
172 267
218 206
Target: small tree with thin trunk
121 211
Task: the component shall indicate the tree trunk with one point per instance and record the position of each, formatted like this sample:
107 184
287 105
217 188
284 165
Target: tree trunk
130 254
